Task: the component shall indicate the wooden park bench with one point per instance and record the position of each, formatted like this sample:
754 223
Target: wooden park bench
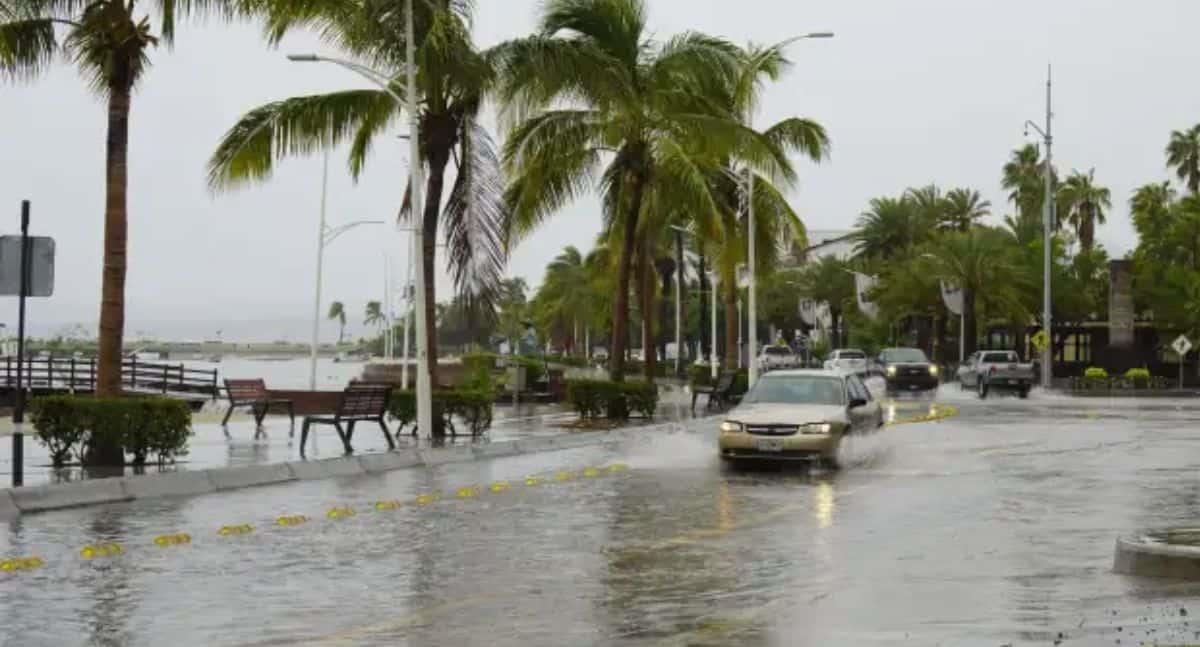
253 394
719 394
358 403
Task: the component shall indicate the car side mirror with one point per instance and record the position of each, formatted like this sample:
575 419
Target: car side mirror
857 402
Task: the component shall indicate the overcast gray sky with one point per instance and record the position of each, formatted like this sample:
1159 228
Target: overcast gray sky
911 92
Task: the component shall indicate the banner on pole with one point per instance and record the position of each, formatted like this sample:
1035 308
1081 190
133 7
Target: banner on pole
863 283
952 296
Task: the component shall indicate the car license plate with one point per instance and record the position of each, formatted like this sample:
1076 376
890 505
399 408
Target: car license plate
769 445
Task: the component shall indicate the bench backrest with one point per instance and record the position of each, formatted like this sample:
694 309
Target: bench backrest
725 382
364 401
246 389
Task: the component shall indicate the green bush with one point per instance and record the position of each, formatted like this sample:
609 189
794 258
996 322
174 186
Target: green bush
473 405
612 400
1138 374
478 368
143 426
1095 373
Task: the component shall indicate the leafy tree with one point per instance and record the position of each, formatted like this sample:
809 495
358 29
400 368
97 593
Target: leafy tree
606 101
337 312
1183 154
109 41
829 280
513 304
452 79
1082 205
1150 209
963 208
374 314
562 301
890 227
1024 178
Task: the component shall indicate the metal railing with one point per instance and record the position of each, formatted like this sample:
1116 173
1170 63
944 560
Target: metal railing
78 375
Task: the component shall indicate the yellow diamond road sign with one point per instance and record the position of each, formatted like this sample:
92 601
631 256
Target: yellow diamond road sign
1181 345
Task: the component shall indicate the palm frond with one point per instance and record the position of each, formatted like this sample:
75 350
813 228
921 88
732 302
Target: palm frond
474 218
27 44
801 135
296 126
615 26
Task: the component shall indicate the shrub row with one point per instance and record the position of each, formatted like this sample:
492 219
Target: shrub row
473 406
143 426
612 400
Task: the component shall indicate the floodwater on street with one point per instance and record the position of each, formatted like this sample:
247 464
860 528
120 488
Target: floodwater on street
994 527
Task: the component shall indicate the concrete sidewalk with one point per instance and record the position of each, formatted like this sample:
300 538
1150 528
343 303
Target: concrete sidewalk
277 442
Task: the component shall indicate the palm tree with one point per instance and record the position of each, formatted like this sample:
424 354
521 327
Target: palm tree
982 263
1024 177
452 79
564 295
606 101
374 314
1084 203
963 208
337 312
1183 153
1150 209
890 227
109 41
829 280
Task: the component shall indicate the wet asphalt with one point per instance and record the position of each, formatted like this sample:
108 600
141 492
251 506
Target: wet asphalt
994 527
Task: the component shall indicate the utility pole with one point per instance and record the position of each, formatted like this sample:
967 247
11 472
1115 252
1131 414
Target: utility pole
424 388
678 300
1047 231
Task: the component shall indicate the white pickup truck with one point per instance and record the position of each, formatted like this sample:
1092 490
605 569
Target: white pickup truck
987 370
847 360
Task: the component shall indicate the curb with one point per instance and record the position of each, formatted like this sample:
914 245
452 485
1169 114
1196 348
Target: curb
57 496
1137 556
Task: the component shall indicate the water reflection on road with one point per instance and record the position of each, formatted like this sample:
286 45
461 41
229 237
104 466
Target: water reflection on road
992 527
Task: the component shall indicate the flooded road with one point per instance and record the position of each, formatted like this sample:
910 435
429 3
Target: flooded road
993 527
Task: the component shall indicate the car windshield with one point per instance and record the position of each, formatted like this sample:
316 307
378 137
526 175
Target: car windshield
797 389
851 354
777 350
998 358
903 355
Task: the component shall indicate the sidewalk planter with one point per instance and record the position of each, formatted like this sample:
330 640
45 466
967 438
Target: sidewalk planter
472 406
143 426
612 400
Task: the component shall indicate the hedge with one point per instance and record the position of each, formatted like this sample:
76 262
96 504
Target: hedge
474 406
612 400
143 426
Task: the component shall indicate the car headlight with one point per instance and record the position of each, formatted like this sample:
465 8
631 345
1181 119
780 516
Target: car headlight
891 370
933 370
816 428
731 427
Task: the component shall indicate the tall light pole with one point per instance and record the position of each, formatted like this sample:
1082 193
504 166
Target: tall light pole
328 235
424 403
1047 228
752 305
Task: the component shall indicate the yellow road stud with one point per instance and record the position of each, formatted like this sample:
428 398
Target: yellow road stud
468 492
618 467
564 475
499 486
240 529
340 513
590 472
21 563
426 499
173 540
533 480
291 520
92 551
387 505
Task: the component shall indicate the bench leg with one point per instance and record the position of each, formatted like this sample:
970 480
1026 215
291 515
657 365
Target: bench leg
304 435
695 394
350 431
291 414
260 412
225 420
342 434
387 435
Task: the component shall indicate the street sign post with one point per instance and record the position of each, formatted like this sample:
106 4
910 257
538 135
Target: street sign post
1181 346
26 269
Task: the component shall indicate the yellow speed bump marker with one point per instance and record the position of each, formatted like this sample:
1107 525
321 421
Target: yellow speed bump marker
387 505
533 480
563 475
426 499
21 563
240 529
93 551
499 486
591 472
340 513
617 467
291 520
467 492
173 539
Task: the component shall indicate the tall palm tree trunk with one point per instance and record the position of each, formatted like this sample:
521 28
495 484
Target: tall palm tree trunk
112 291
620 318
970 331
434 185
646 305
732 348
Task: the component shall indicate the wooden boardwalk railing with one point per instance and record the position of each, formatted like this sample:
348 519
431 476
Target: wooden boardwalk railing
78 375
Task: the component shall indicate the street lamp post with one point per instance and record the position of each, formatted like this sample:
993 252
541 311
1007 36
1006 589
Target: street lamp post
752 304
1047 228
327 236
424 403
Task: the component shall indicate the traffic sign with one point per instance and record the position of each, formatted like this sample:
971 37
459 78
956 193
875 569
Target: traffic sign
1181 345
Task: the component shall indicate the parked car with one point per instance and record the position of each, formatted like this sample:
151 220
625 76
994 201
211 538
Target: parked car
777 357
907 369
798 415
986 370
847 360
